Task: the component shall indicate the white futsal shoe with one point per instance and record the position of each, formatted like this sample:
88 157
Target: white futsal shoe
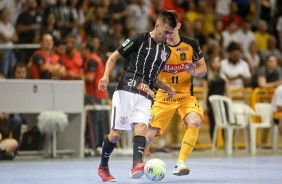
180 169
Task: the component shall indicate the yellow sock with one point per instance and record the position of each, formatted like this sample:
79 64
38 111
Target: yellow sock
188 143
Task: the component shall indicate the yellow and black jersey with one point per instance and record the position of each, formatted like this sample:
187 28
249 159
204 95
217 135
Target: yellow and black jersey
173 72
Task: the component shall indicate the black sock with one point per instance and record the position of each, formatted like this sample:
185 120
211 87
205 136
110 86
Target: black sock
139 143
107 150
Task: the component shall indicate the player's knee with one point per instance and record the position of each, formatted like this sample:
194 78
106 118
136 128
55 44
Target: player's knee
195 122
115 135
140 129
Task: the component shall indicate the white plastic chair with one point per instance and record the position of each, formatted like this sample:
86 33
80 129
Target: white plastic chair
264 110
229 116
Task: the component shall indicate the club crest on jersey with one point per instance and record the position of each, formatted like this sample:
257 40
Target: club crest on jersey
123 120
163 55
183 56
176 68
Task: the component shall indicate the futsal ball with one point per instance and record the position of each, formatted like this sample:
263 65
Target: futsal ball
155 169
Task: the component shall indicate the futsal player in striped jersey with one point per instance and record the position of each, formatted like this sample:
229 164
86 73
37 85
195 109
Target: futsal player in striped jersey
185 62
145 54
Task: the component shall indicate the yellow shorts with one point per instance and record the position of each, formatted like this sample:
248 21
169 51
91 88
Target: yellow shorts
162 112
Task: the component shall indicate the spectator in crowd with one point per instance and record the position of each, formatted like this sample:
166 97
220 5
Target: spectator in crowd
235 68
60 48
93 72
117 10
115 37
8 145
137 11
79 18
28 26
229 34
50 26
277 106
44 62
72 60
198 35
15 7
233 16
245 36
222 8
279 30
66 18
272 50
96 26
209 18
269 75
252 57
157 7
192 14
243 7
8 36
215 83
261 35
17 119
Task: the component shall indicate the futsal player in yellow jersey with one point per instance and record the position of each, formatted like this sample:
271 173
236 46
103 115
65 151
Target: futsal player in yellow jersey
185 62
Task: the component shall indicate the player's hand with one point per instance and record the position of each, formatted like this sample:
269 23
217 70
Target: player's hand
190 68
170 91
103 83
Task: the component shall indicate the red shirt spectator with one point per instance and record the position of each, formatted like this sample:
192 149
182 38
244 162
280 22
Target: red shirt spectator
73 64
44 63
93 71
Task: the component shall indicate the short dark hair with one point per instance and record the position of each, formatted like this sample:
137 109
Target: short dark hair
20 65
89 47
169 17
233 46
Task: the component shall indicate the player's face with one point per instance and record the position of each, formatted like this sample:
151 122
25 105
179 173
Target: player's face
164 31
175 34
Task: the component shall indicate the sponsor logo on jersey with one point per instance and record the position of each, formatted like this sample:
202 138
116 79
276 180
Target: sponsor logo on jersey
125 42
126 47
174 99
173 68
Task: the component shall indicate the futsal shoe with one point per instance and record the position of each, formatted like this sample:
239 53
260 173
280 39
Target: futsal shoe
180 169
105 174
138 170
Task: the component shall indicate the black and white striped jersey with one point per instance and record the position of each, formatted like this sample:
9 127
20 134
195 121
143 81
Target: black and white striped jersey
144 59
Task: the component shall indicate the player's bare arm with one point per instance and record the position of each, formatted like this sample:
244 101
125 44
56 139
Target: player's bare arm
170 90
111 62
198 69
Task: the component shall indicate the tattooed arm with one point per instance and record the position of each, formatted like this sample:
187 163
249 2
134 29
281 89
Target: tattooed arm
170 90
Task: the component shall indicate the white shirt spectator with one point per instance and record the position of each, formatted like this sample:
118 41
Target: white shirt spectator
277 98
244 39
15 7
138 17
233 70
222 7
228 37
254 61
8 30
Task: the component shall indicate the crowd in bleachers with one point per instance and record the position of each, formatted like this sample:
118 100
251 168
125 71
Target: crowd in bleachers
241 39
256 26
